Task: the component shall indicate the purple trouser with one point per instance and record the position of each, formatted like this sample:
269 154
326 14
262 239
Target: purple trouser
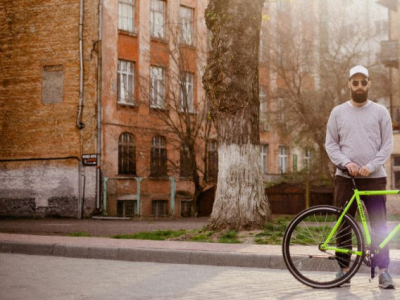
376 207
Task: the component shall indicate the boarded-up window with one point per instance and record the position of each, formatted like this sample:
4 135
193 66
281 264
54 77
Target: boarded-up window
52 84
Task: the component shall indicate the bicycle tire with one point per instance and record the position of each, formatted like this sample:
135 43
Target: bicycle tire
302 255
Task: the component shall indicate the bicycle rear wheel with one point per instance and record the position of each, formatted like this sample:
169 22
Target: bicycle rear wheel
301 247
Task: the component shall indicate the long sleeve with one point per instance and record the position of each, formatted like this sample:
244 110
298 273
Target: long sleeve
362 135
386 145
332 139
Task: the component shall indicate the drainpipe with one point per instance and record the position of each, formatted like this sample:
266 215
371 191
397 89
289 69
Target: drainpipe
105 179
173 188
138 180
79 123
99 86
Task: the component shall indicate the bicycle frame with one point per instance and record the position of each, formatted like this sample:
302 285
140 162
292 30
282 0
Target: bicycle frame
356 197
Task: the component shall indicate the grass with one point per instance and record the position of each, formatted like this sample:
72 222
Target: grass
272 232
79 234
159 235
231 237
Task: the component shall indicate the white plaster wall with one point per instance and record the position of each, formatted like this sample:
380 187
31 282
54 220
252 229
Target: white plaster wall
43 180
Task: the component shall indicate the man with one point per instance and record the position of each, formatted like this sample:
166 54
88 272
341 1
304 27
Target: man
359 137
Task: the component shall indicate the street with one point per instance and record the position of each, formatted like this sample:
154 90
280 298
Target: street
44 277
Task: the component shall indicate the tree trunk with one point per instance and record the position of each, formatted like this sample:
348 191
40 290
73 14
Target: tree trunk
231 82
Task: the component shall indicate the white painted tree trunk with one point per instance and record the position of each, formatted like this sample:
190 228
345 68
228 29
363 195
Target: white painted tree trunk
240 200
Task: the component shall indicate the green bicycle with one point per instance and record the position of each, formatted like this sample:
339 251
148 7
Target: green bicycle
316 237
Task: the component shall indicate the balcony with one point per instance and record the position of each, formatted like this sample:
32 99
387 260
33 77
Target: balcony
390 53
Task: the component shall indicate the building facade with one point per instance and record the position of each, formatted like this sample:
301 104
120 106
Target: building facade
153 59
48 91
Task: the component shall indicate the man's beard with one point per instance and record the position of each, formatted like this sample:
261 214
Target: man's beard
359 97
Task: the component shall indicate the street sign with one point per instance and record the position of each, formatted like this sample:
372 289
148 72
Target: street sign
89 159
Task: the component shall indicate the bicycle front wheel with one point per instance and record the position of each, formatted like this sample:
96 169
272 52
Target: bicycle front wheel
306 258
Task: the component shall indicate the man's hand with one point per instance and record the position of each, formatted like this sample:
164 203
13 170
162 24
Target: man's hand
364 171
353 168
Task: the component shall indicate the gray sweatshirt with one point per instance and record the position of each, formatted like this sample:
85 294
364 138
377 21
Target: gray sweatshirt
362 135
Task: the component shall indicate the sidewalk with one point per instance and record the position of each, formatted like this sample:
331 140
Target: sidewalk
257 256
217 254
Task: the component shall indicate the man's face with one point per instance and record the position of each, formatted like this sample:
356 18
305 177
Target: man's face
359 85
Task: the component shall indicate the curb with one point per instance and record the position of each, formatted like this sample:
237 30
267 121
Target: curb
171 256
190 257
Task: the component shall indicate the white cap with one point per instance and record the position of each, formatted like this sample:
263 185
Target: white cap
358 70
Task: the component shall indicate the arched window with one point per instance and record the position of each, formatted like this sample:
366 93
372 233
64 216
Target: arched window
158 157
126 154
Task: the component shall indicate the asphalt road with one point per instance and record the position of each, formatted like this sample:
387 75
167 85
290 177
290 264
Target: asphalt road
44 277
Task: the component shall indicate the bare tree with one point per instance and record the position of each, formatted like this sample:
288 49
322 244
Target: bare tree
231 82
312 81
170 92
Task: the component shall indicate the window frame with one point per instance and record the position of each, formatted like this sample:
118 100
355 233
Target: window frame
307 158
186 25
157 206
129 93
157 87
155 13
264 158
121 17
283 159
126 154
158 164
186 98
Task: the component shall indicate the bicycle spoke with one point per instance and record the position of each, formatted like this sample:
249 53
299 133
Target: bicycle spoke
302 242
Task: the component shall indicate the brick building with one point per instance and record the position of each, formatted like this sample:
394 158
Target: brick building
141 62
153 57
48 96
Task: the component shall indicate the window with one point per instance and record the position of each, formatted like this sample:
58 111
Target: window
157 88
126 85
157 19
158 157
52 84
186 207
294 163
186 97
263 108
126 208
396 172
264 159
185 166
186 25
283 159
126 15
212 166
307 159
126 154
159 208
